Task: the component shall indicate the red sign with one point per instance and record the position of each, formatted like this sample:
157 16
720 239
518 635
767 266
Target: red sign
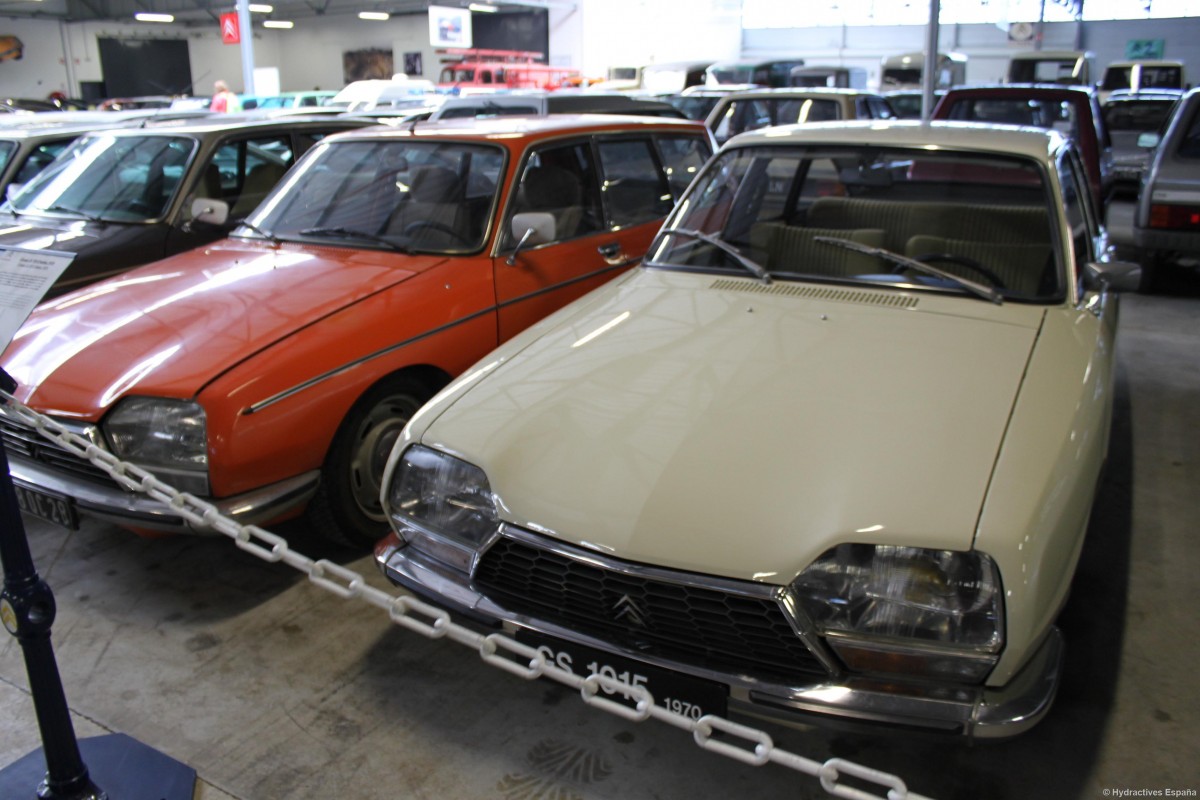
230 32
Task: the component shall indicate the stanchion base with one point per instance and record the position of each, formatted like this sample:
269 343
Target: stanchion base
124 768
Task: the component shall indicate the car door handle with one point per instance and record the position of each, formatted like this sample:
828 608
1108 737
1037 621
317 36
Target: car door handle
611 253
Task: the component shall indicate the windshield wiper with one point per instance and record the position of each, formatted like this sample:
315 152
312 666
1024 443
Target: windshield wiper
756 269
68 210
350 233
268 236
986 292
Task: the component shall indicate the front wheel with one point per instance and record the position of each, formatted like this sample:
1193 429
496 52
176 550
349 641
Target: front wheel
347 506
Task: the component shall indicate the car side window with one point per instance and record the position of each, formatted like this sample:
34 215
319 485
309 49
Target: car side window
742 115
559 181
682 158
634 188
242 172
878 108
1077 197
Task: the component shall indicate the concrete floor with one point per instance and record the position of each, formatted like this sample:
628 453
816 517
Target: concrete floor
272 688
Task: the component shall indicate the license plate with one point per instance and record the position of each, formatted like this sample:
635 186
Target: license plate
674 691
50 507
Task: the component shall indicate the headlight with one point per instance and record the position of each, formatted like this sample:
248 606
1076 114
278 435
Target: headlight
166 437
908 610
445 496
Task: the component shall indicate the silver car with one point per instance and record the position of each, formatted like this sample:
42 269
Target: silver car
1166 225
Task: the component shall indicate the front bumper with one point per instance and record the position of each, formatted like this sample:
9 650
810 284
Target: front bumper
838 699
113 504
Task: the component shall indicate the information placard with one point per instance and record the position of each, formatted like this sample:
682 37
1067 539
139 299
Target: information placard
25 277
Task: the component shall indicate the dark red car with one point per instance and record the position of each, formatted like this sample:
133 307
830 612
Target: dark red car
1074 110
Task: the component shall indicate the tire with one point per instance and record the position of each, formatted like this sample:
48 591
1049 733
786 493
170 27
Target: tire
1151 273
346 507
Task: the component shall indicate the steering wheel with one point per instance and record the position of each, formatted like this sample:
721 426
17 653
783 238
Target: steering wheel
962 261
412 227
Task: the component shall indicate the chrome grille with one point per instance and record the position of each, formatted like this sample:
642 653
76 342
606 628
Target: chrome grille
26 442
710 628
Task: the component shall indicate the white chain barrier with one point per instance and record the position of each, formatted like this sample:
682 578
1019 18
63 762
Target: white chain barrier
739 742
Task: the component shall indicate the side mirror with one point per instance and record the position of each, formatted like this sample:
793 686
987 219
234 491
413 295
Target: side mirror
1122 276
206 209
533 228
530 229
1148 140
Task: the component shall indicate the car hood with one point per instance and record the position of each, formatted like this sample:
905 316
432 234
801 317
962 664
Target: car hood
735 429
170 327
32 232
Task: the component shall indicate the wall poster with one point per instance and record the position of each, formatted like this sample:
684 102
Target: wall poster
361 65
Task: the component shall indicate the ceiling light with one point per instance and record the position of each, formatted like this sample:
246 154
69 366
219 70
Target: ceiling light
374 15
143 16
483 7
278 23
261 8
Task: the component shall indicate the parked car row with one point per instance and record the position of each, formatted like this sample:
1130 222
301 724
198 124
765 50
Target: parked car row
271 371
579 379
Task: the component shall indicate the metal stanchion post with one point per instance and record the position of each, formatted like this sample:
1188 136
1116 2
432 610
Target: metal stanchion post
27 610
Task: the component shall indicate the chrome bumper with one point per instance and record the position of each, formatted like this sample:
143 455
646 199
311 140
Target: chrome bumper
970 711
127 509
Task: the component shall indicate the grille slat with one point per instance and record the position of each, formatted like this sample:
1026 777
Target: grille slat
28 443
705 627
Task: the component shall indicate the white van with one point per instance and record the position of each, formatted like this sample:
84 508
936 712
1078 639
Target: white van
1138 75
831 77
904 71
368 95
1071 67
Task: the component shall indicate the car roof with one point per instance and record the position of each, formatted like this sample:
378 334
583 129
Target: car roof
1157 94
37 132
1059 90
804 92
565 98
1032 143
530 127
1147 62
1046 55
220 123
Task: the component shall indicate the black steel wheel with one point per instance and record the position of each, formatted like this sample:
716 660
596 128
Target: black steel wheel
346 507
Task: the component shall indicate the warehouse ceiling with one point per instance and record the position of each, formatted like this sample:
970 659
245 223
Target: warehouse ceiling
207 12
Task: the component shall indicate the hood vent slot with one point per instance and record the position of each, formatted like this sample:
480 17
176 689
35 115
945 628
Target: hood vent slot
808 291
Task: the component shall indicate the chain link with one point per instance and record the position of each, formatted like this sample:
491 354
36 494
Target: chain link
496 649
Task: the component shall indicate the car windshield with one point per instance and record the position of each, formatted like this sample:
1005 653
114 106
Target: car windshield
407 195
751 113
110 178
1018 110
862 215
695 106
1137 116
1049 70
731 73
